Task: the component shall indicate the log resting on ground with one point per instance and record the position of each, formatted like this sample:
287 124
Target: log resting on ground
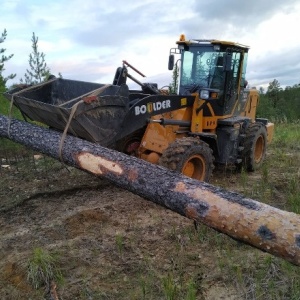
257 224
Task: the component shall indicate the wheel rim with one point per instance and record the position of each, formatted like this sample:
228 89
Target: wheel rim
259 149
194 167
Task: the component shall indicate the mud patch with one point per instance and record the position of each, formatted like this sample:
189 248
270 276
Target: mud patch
82 222
15 275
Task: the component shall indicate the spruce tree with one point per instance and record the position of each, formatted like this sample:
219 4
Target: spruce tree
39 70
273 92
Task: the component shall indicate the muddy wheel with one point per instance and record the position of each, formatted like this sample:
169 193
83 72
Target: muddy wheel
131 143
189 156
255 146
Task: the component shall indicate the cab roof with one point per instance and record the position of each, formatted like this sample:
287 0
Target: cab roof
182 41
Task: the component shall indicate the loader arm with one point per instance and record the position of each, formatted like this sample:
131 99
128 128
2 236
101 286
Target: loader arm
143 107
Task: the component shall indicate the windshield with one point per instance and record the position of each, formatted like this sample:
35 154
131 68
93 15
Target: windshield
203 67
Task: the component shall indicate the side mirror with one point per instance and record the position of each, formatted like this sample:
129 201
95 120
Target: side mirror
171 62
227 62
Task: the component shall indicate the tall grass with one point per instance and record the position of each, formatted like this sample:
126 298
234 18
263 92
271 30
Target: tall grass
43 269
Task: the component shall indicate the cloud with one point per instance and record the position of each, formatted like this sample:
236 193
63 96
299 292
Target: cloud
285 68
122 26
89 39
241 14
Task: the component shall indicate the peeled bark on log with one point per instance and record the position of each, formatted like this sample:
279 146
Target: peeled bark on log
257 224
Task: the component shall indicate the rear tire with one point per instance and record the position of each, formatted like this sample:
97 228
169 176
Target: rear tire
189 156
255 146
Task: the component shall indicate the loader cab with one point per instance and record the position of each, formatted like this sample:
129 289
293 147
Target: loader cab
214 69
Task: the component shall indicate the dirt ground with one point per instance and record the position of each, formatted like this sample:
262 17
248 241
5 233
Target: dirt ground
110 243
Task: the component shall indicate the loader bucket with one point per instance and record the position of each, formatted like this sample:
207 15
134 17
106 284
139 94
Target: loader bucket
55 102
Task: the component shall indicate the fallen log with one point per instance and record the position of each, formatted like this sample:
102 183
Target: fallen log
257 224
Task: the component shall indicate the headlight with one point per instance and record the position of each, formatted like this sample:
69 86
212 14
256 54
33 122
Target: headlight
204 94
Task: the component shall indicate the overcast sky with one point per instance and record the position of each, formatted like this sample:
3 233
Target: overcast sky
87 39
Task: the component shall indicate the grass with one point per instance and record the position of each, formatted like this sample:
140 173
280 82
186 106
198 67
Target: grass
43 269
4 106
169 287
120 243
6 110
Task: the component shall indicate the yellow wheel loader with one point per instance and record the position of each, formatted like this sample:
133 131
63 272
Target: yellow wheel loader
211 119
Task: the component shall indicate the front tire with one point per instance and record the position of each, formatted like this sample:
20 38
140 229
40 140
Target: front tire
130 144
190 156
255 147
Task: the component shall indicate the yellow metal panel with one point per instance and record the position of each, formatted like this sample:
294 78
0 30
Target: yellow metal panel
158 137
270 132
251 105
197 117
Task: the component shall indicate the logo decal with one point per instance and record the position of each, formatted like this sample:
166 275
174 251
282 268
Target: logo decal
183 101
152 106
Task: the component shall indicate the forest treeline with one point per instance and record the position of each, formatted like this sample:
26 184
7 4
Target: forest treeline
280 105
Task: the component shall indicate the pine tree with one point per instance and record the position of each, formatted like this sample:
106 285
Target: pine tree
4 59
39 70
